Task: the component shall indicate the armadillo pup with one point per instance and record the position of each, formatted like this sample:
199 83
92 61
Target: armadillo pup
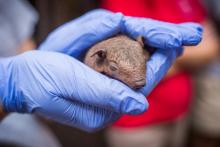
121 58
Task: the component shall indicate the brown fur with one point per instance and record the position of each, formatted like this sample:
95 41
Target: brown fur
121 58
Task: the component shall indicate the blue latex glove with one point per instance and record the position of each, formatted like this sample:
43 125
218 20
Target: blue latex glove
75 37
61 88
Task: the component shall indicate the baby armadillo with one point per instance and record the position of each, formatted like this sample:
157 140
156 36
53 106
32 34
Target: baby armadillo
121 58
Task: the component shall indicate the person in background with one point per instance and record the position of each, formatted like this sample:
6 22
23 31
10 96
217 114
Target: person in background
164 123
16 30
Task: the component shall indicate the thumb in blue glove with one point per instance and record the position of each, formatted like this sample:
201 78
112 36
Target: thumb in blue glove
61 88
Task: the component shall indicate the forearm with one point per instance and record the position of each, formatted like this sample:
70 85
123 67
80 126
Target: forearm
26 45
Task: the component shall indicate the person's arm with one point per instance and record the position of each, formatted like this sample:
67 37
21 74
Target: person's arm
26 45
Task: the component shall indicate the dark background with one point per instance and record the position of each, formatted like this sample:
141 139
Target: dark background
53 13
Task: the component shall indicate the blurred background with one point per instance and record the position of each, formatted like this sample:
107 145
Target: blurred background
184 108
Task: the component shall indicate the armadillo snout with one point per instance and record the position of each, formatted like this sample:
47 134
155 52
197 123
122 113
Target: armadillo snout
135 82
138 83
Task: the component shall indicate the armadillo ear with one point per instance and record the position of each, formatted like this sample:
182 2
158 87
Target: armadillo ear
140 39
100 56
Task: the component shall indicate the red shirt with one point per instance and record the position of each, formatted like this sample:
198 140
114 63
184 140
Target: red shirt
171 98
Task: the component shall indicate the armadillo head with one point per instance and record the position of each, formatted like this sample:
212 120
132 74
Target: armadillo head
120 58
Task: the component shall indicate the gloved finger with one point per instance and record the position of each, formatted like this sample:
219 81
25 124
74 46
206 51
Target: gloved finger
157 68
161 34
191 33
196 26
156 34
75 114
74 40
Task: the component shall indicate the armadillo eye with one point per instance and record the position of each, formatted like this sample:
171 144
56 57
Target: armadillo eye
113 66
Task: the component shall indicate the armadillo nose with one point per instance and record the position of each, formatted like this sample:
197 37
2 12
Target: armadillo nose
139 83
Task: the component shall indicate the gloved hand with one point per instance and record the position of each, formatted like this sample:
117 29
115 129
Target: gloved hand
61 88
75 37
